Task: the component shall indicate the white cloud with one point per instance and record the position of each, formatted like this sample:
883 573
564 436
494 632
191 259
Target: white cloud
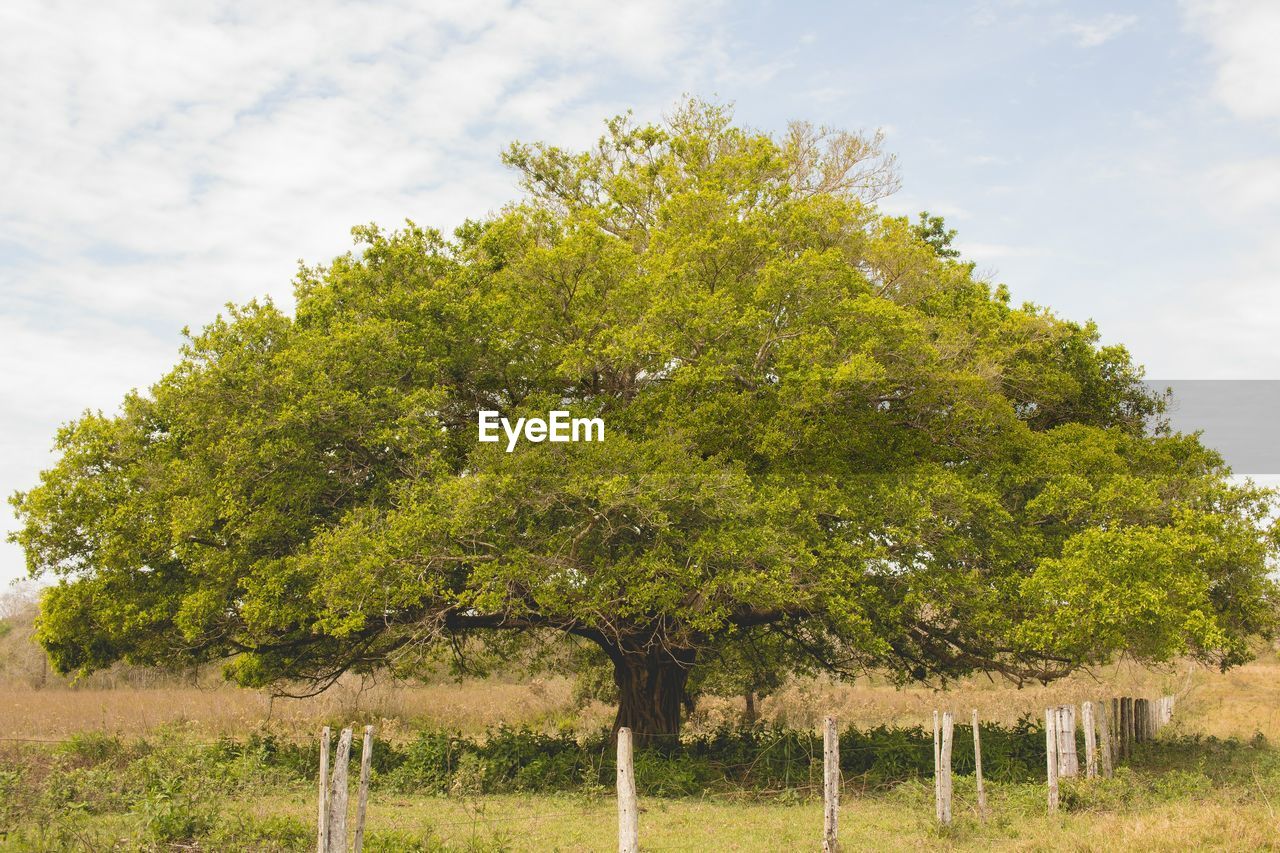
159 159
1243 194
1224 324
1100 30
1244 188
1243 35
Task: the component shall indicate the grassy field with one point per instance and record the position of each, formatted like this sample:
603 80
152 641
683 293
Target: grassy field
1196 806
902 822
1213 782
1239 703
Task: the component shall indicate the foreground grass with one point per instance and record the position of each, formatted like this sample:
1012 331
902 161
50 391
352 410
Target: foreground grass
901 820
1181 794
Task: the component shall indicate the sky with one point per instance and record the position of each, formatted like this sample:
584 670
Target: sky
1117 162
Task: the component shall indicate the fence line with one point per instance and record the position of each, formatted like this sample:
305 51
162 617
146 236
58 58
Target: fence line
1111 729
1106 736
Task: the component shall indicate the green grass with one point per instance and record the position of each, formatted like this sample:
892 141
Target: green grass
901 821
169 793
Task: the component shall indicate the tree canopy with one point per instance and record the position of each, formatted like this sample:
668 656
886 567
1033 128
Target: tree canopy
829 446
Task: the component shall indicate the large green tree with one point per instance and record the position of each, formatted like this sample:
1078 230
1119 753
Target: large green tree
827 446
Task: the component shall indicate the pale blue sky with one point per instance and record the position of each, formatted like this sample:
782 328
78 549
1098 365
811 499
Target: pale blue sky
1119 162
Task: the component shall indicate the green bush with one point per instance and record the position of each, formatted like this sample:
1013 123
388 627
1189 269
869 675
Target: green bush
171 812
92 747
427 764
92 790
756 758
272 834
660 774
1180 784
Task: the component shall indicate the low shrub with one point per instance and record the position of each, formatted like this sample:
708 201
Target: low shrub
271 834
173 812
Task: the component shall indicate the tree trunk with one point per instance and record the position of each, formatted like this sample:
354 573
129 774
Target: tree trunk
749 717
651 690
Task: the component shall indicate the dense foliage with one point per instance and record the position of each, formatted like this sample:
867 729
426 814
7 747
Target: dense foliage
828 446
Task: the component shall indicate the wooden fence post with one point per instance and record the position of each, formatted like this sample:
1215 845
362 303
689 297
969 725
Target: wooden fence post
366 768
1126 727
1105 743
1051 755
977 767
322 822
1117 731
1142 720
1068 762
1090 743
948 738
338 795
628 808
830 786
937 769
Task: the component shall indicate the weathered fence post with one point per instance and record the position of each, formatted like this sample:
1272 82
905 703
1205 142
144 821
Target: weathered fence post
1051 755
366 768
944 778
1142 720
1090 743
1126 727
977 767
937 765
1068 763
338 795
1105 741
322 830
628 809
1117 731
830 786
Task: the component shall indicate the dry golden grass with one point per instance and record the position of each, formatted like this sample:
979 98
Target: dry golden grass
469 706
1240 702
